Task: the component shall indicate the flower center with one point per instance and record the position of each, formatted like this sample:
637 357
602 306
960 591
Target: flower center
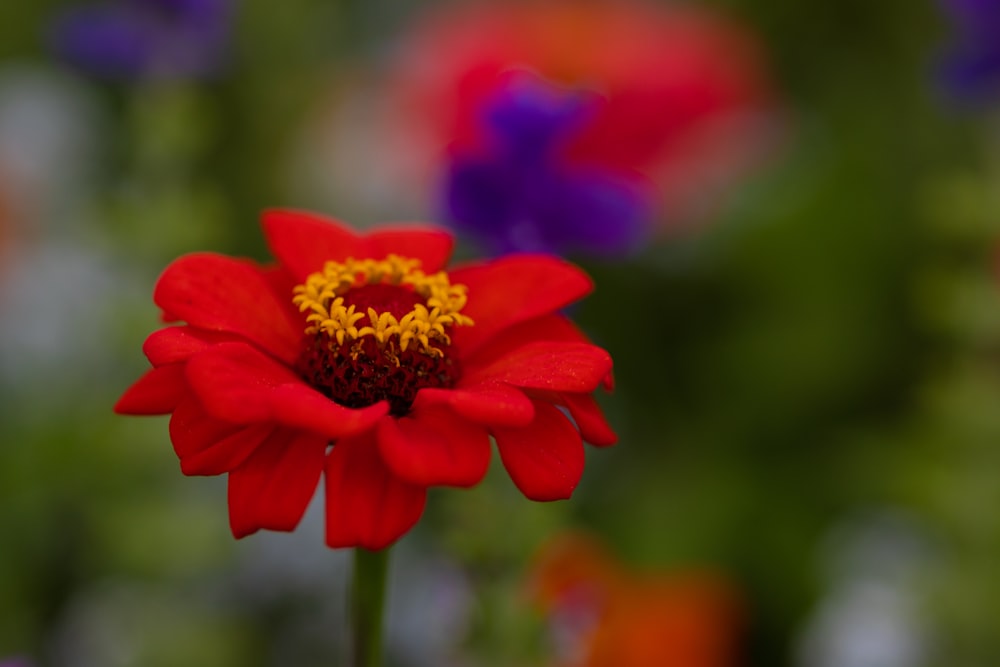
376 330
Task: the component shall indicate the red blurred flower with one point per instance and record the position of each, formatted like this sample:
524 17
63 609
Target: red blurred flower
612 617
358 357
683 89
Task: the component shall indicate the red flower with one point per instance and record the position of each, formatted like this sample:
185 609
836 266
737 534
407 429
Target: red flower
359 357
684 90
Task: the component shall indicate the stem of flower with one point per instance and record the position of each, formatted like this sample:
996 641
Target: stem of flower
367 604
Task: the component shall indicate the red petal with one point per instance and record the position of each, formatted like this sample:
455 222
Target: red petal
551 327
514 289
545 459
174 344
570 367
226 454
589 419
608 383
240 384
272 489
224 294
585 412
207 446
431 246
434 447
303 242
488 404
156 393
280 280
366 505
192 430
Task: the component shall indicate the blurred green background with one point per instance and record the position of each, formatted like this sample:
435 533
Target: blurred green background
807 388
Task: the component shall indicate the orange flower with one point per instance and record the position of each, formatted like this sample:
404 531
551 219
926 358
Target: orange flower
620 618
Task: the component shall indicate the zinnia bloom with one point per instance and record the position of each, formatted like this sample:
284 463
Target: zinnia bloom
128 39
641 99
613 617
359 358
971 67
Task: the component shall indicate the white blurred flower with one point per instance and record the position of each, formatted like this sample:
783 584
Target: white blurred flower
50 134
871 615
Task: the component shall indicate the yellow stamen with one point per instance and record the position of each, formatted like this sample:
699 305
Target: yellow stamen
322 297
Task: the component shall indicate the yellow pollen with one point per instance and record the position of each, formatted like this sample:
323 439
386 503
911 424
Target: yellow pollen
322 297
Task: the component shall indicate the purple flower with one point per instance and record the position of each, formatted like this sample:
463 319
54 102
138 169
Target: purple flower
970 68
519 192
129 39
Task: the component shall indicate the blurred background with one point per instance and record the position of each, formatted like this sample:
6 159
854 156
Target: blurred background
790 211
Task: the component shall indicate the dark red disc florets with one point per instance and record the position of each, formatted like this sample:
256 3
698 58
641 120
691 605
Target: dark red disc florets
375 331
360 373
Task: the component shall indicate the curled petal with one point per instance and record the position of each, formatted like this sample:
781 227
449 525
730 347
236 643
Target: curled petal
434 447
589 419
220 293
366 504
586 413
273 487
545 459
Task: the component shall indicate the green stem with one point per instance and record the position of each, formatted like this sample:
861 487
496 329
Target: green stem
367 604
